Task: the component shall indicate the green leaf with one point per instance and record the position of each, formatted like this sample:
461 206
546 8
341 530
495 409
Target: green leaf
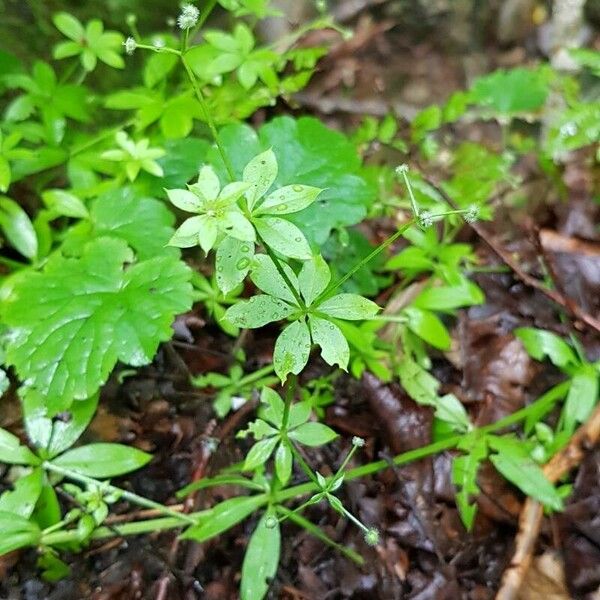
283 236
17 532
582 397
56 435
157 67
69 26
268 279
514 91
275 406
65 204
259 453
334 347
5 174
261 559
218 480
288 199
17 228
258 311
12 453
22 499
308 153
464 477
283 463
103 460
514 462
540 343
224 516
233 261
447 297
260 172
350 307
420 385
292 350
428 327
144 223
313 434
76 319
313 279
450 409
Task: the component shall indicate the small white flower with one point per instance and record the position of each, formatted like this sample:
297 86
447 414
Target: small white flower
130 45
358 442
158 42
472 214
400 169
188 17
568 129
425 219
372 537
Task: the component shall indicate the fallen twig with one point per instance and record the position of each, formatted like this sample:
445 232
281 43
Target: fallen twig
531 515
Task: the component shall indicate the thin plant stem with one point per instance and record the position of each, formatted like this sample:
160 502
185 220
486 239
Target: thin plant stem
283 274
129 496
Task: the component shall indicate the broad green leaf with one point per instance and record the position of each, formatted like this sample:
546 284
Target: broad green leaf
103 460
283 463
313 279
540 343
260 172
288 199
47 511
582 397
446 297
514 91
13 453
283 236
157 67
258 311
76 319
268 279
514 462
464 477
65 204
224 516
17 532
22 499
428 327
261 559
350 307
308 153
17 228
313 434
334 347
299 413
420 385
56 435
260 453
292 350
69 26
233 261
144 223
450 409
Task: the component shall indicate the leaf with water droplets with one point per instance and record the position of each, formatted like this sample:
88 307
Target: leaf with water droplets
260 173
73 321
288 199
283 236
292 349
334 347
233 262
314 278
268 279
350 307
258 311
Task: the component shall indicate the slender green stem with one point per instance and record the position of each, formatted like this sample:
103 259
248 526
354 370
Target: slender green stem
303 464
289 397
208 117
390 240
413 201
129 496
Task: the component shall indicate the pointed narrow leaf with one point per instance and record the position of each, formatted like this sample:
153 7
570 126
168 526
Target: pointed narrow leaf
260 453
314 278
103 460
464 477
288 199
283 463
233 262
582 397
17 228
292 350
13 453
267 278
22 499
261 559
283 237
334 347
260 172
313 434
428 327
17 532
258 311
224 516
350 307
540 343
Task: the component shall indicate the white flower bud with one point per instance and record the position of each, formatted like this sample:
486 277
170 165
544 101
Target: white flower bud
188 17
400 169
358 442
472 214
130 45
425 219
372 537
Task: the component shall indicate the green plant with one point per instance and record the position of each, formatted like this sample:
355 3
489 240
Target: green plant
95 276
